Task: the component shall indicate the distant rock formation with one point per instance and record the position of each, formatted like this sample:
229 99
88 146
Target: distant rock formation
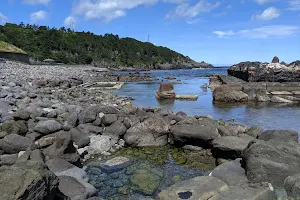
266 72
275 60
165 91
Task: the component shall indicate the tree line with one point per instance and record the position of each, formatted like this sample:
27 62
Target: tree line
69 47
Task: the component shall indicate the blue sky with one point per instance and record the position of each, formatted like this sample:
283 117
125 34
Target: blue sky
216 31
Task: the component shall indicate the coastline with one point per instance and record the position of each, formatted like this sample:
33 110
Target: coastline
38 109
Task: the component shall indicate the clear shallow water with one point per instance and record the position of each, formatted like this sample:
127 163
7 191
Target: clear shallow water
268 116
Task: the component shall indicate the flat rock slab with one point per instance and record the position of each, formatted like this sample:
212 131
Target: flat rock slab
281 93
296 92
231 172
203 187
116 164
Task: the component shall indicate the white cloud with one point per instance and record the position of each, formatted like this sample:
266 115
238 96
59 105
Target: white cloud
34 2
185 10
268 14
3 18
261 2
261 32
70 21
38 16
107 10
294 5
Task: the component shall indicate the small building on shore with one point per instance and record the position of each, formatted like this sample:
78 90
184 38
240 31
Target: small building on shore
49 62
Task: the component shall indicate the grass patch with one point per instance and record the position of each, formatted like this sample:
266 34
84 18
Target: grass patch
6 47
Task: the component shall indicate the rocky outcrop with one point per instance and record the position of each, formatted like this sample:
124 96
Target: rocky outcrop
27 180
275 60
225 93
266 72
165 91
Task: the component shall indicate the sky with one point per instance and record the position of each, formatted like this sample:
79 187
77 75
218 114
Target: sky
216 31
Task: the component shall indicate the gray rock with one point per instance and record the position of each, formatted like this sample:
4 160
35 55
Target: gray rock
80 139
45 141
37 156
229 146
3 134
193 148
108 110
194 134
117 128
8 159
48 127
231 130
109 119
255 131
272 161
152 132
33 136
280 135
62 168
292 186
225 93
116 164
231 173
63 148
203 187
131 120
15 127
27 181
73 119
14 143
89 129
101 144
21 115
88 115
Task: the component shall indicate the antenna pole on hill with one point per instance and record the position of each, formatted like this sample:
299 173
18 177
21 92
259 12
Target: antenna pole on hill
148 38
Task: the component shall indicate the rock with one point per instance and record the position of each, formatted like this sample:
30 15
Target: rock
8 159
3 134
258 191
152 132
108 110
231 130
117 128
202 187
280 135
193 148
131 120
292 186
225 93
14 143
15 127
48 127
73 119
101 144
21 115
89 129
145 181
63 148
229 146
194 134
165 91
116 164
230 172
73 189
88 115
109 119
80 139
272 161
254 131
37 156
277 99
275 60
45 141
28 180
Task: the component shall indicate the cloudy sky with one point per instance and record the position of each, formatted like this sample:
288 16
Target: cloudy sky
217 31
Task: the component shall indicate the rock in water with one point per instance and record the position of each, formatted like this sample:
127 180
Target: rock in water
225 93
27 180
165 91
275 60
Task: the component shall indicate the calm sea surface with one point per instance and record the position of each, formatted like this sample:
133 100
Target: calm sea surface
268 116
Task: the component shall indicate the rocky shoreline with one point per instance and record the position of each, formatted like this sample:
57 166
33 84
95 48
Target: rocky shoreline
50 128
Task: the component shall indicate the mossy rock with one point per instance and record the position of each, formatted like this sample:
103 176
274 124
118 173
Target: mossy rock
145 181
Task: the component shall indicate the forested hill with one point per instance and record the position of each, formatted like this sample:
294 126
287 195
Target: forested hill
65 46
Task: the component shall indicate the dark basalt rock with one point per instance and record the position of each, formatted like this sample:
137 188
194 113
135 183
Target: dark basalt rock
275 60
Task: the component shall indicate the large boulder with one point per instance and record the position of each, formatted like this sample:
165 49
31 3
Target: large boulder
15 127
226 93
275 59
292 186
272 161
280 135
14 143
152 132
48 127
230 146
73 181
109 119
194 134
63 148
117 128
165 91
88 115
27 180
203 187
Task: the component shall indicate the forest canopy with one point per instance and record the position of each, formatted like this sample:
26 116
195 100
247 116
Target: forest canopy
66 46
